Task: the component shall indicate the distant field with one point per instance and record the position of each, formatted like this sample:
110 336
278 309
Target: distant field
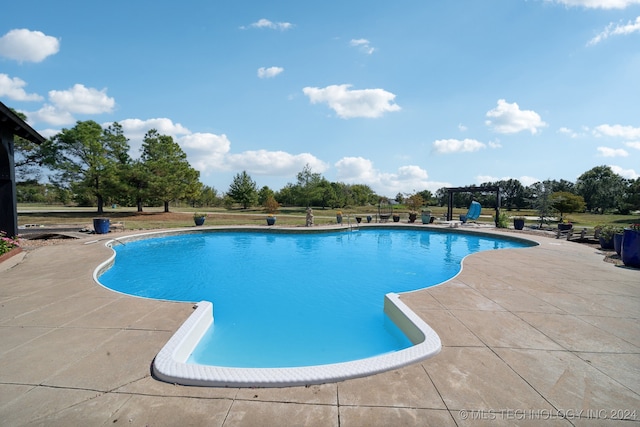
154 217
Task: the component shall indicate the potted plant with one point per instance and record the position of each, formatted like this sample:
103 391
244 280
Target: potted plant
369 218
339 217
396 218
566 202
606 235
414 203
101 225
198 218
565 225
426 216
617 241
271 205
518 222
630 252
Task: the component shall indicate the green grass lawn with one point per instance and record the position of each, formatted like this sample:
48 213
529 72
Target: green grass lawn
154 217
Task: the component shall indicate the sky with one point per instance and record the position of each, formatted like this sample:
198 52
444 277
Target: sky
401 96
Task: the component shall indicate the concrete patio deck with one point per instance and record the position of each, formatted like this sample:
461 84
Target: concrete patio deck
546 335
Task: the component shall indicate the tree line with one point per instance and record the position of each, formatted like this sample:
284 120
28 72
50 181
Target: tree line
90 166
597 190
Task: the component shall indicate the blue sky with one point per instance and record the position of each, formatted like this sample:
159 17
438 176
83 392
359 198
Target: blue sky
402 96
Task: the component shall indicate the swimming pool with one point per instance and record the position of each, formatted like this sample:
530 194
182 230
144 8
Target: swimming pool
286 300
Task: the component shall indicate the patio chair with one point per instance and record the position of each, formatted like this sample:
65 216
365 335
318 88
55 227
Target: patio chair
473 213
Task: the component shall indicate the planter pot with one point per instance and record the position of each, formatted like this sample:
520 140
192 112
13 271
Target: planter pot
412 217
426 218
565 227
606 243
368 218
101 225
617 242
339 219
518 224
630 252
358 219
199 220
396 218
271 220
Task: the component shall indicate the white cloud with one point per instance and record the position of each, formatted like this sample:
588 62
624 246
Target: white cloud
206 151
528 180
48 133
508 118
447 146
265 23
82 100
569 132
612 152
616 30
358 170
625 173
598 4
370 103
352 169
363 45
480 179
524 180
135 130
462 128
25 45
164 126
51 115
13 88
495 144
274 163
618 131
64 103
266 73
633 144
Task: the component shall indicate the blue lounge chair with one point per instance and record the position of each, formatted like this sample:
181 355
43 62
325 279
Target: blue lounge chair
473 213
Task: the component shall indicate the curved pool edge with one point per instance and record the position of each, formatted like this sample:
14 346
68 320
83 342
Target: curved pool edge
170 363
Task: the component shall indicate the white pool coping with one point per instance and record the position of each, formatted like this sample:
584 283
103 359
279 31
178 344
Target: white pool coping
170 363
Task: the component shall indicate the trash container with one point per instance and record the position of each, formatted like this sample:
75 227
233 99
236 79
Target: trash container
101 225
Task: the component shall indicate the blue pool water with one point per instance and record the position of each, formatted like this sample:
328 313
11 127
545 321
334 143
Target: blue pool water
284 300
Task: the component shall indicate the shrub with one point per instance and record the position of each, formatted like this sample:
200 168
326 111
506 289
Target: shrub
7 243
271 205
415 202
503 221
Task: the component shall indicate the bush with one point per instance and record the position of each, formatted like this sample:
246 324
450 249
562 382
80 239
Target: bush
503 221
271 205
